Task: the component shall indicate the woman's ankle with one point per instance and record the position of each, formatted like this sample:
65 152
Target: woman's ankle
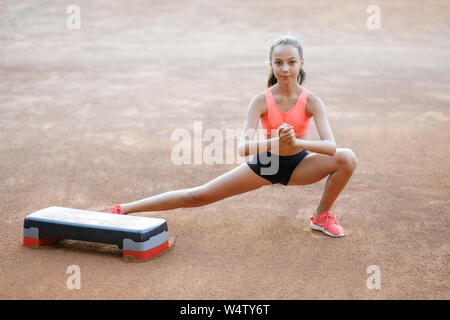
319 211
125 208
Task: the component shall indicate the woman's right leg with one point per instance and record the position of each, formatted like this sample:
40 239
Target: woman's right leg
236 181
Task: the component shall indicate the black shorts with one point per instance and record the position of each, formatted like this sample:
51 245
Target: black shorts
275 168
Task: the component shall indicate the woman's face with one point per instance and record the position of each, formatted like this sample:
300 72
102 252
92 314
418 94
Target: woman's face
286 63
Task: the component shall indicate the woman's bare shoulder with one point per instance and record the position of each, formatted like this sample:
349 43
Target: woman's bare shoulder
259 103
312 103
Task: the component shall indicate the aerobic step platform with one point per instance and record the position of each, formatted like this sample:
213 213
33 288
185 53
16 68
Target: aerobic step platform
141 237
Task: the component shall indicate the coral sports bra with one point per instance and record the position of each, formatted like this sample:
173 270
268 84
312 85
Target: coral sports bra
296 117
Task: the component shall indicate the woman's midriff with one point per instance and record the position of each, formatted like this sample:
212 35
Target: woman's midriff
286 149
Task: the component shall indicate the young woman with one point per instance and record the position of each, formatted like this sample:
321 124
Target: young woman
285 110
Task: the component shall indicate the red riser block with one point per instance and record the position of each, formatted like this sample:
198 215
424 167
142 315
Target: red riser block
149 253
31 242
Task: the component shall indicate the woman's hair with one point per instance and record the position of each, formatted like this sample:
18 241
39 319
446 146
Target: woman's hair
289 41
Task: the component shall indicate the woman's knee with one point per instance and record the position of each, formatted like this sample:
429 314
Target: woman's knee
198 196
346 159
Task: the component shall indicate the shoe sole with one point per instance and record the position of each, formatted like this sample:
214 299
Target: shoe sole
316 227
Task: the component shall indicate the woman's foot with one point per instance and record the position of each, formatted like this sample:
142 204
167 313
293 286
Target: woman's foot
327 224
116 209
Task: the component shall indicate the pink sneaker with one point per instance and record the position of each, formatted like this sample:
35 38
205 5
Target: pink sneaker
117 209
327 224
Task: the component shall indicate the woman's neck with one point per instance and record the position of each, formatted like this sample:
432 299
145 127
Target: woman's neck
288 90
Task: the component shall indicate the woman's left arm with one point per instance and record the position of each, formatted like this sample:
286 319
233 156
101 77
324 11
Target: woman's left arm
326 145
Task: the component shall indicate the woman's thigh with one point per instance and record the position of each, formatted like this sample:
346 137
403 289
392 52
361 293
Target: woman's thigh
236 181
313 168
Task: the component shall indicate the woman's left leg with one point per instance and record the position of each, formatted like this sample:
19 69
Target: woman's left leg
314 167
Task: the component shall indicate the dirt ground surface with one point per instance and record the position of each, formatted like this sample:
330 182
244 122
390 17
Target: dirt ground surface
87 116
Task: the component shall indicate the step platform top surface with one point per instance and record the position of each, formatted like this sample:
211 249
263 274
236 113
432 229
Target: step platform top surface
63 215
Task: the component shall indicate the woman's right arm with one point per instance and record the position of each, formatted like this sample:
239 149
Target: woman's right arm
248 146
